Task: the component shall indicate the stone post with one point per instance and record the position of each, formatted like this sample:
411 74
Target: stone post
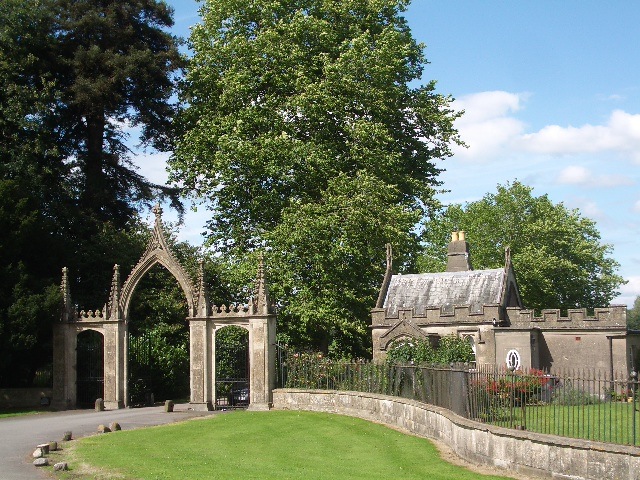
262 361
200 354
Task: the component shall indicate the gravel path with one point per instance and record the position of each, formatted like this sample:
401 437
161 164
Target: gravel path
20 435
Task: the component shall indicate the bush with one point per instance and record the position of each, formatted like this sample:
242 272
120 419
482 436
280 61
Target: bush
418 351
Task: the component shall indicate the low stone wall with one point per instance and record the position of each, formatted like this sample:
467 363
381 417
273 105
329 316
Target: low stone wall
528 453
23 397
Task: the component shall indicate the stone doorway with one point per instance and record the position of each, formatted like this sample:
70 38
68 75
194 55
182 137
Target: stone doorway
257 317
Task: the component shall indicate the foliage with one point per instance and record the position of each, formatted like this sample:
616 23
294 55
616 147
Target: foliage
568 395
296 109
162 367
74 76
232 352
419 351
556 252
633 315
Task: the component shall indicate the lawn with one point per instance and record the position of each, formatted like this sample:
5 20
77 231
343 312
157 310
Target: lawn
604 422
266 445
18 412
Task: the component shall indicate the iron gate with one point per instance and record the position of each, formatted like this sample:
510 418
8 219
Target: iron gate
141 366
232 368
90 368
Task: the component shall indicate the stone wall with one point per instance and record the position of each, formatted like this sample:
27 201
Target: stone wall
537 455
23 397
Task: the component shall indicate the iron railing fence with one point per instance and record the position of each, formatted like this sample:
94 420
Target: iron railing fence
585 404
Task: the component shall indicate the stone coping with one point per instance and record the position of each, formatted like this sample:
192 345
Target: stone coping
529 453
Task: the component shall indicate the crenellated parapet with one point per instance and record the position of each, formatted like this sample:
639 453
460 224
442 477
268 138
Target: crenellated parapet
91 315
613 316
232 310
453 314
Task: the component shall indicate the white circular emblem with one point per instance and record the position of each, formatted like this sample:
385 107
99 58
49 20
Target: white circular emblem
513 360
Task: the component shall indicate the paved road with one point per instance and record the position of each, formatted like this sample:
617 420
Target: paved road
20 435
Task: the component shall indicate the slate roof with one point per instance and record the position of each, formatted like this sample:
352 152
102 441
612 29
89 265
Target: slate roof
444 290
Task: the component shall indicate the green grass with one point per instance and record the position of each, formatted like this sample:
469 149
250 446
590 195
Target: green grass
602 422
267 445
19 412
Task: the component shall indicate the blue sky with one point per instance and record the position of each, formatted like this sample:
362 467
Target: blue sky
551 91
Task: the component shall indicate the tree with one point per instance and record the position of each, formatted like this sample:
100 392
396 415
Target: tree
557 254
633 315
113 63
72 73
290 101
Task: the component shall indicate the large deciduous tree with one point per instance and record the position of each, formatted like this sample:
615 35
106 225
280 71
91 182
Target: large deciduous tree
292 106
633 315
557 253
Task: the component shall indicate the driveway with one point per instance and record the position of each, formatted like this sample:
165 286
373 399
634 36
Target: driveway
20 435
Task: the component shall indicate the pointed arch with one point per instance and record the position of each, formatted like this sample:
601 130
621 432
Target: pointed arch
158 252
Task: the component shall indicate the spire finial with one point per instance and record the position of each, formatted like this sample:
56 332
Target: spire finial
67 307
203 298
261 302
157 211
113 309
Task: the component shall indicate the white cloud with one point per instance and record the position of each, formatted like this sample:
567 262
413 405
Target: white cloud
629 292
621 133
578 175
487 126
636 206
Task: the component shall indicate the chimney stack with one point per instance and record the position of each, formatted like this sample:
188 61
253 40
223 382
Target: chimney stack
458 259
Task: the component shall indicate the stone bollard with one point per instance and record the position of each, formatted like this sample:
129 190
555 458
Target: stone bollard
53 446
60 466
103 429
114 427
168 406
41 462
45 448
99 405
37 453
67 436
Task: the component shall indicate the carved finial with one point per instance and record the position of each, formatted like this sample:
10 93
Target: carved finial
113 310
157 211
67 306
203 298
507 256
261 302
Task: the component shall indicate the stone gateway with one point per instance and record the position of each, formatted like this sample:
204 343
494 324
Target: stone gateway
112 322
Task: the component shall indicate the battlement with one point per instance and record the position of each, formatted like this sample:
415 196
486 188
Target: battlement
611 316
232 310
90 315
448 314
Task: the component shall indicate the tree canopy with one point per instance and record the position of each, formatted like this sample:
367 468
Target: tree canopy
75 75
557 253
633 315
292 106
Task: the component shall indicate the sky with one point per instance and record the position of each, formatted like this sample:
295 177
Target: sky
551 94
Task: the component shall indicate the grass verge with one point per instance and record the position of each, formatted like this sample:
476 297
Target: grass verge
263 445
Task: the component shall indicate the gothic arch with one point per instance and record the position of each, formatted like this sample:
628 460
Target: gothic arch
158 252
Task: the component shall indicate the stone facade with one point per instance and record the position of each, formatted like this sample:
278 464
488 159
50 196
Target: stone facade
112 322
484 306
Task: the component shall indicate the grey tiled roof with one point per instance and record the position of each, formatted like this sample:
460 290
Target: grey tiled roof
427 290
